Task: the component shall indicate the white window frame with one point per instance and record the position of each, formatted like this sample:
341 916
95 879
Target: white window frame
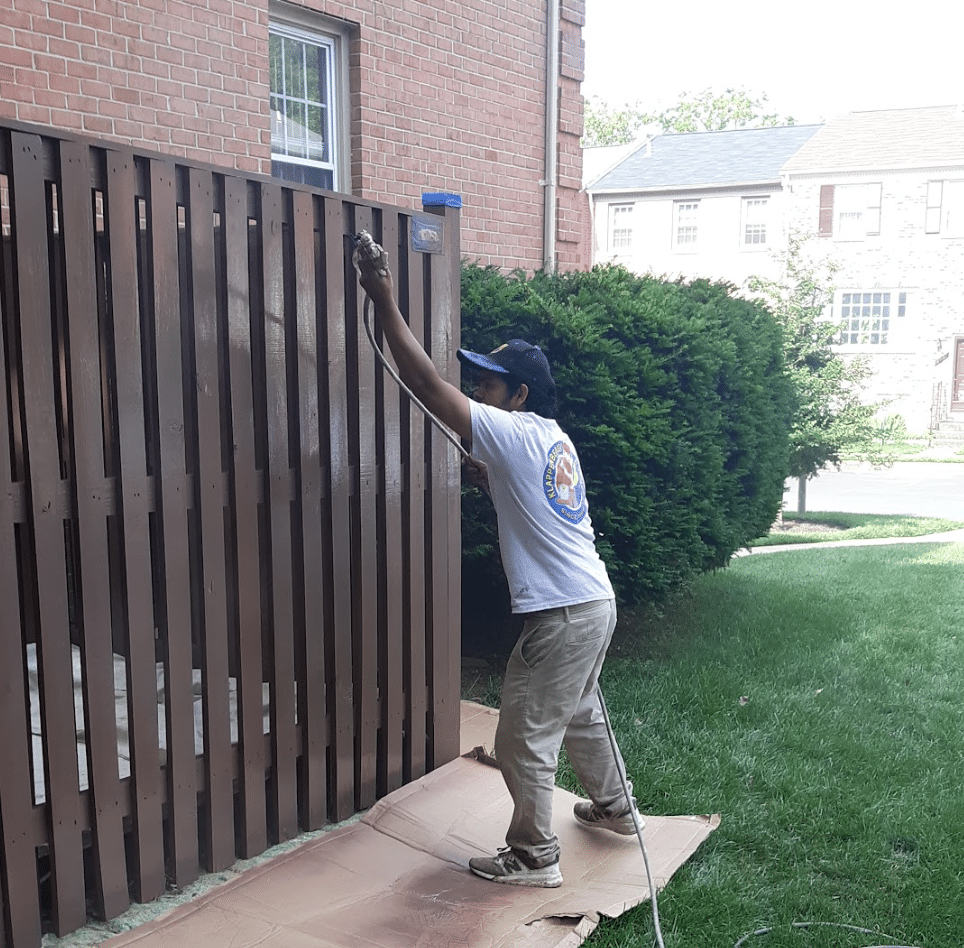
621 228
856 211
755 214
303 26
945 208
686 217
952 220
868 319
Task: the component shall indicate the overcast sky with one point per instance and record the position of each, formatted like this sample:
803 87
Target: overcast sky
813 60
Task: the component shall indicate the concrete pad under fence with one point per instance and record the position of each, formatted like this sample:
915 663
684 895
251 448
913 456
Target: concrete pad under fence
399 878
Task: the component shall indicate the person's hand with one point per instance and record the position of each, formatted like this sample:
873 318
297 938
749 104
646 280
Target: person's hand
476 473
374 276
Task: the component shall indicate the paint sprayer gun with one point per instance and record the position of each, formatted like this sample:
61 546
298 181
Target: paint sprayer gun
366 248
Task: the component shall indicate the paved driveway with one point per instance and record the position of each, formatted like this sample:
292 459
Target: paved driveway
909 487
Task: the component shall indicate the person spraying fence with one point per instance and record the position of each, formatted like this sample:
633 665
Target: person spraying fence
557 580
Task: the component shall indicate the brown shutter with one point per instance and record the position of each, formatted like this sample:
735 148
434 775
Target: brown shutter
826 210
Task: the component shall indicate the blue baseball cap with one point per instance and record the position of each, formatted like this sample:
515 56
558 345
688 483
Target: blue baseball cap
518 358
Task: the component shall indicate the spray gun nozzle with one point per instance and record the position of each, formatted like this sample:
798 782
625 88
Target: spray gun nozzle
366 247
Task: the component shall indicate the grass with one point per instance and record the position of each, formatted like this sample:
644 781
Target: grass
815 700
917 449
821 527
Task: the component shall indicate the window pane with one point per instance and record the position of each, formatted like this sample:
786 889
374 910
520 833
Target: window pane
849 224
317 73
294 68
317 143
311 175
296 131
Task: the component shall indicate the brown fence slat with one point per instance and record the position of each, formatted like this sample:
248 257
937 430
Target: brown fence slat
209 509
341 711
391 563
437 534
415 548
32 253
134 494
19 900
446 483
364 539
278 494
174 585
244 496
312 666
110 870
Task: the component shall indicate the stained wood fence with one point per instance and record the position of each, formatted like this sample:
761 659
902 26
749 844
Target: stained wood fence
229 589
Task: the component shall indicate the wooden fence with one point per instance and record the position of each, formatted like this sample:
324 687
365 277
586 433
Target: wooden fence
229 550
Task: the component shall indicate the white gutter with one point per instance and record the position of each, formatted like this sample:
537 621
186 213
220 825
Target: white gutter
664 189
552 137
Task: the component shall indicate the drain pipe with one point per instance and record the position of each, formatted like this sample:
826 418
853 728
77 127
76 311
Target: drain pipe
552 137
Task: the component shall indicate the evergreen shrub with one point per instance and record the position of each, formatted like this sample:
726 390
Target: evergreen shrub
677 400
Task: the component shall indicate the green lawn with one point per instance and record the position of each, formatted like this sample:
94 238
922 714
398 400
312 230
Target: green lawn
814 698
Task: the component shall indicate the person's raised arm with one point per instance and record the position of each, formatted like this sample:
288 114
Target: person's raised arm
417 371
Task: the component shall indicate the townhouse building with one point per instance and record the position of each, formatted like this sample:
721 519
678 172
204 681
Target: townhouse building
878 195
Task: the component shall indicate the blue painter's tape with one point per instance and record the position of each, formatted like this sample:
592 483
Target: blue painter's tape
442 200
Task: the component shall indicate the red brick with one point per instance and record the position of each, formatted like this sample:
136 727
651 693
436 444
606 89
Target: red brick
66 119
93 123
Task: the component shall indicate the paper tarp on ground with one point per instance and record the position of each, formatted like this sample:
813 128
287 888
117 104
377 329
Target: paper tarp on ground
399 878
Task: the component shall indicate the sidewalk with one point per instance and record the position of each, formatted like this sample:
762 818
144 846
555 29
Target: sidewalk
951 536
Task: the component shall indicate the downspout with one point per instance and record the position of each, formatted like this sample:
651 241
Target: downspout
552 136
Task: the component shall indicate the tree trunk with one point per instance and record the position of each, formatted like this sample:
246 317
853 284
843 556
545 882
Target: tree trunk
802 494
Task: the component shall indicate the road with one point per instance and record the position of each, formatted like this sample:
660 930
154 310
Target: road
909 487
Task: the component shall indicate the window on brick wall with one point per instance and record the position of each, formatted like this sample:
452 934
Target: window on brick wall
685 224
308 133
753 225
850 211
945 208
868 317
620 227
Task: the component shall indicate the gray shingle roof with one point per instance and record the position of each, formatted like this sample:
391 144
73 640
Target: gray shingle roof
740 156
889 138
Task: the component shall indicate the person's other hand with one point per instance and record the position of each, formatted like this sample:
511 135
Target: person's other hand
476 473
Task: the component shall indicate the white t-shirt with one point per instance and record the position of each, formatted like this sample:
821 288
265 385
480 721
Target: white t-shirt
545 534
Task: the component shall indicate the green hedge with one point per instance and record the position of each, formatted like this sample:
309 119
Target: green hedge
676 398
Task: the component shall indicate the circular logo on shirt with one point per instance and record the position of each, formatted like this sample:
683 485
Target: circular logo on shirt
563 484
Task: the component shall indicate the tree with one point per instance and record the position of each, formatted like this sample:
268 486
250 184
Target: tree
605 125
676 398
704 111
830 418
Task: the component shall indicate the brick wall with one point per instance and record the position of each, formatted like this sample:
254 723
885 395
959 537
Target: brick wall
440 99
909 368
188 78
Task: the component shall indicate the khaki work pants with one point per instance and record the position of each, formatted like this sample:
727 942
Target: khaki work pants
549 698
